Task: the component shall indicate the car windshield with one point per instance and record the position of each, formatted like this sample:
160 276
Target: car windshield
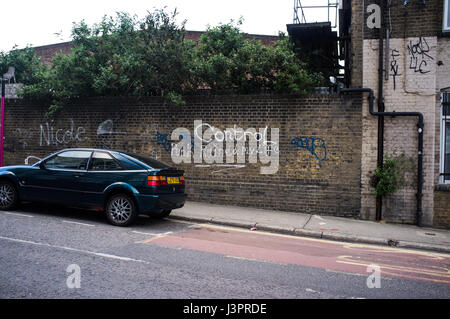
149 161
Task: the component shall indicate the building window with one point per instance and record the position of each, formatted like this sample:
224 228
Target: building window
445 138
446 18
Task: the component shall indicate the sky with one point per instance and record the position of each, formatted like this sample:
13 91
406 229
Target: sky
42 22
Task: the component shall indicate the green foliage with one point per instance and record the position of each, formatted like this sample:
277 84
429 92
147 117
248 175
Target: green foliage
391 176
227 61
127 56
28 68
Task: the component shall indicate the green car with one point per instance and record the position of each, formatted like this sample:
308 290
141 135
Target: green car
122 184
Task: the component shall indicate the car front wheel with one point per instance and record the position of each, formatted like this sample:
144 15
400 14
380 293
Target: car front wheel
8 195
121 210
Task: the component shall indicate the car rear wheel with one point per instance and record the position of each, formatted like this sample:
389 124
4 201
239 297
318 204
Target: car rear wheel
8 195
161 214
121 210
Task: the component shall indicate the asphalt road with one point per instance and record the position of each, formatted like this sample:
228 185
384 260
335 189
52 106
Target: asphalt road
46 250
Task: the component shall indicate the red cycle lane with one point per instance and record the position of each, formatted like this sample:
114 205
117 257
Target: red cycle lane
329 255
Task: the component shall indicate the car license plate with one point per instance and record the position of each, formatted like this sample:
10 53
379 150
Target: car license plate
173 180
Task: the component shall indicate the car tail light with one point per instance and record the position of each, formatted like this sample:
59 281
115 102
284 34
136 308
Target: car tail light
156 181
182 182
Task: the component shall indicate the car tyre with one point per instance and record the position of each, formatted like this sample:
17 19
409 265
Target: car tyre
121 210
9 196
161 214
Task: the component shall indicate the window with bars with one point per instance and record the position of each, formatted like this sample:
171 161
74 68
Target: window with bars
445 138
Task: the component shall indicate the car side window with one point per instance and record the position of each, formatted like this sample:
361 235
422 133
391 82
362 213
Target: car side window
77 160
103 162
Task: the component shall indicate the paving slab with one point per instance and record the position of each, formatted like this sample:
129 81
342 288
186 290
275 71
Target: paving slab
394 232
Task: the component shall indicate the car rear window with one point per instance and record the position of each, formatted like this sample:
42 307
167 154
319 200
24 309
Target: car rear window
149 161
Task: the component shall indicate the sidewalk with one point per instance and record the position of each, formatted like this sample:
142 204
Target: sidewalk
327 227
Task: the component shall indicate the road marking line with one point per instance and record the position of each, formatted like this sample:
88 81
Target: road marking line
76 223
145 241
151 234
386 249
372 247
17 214
74 249
353 274
402 270
311 290
258 260
443 271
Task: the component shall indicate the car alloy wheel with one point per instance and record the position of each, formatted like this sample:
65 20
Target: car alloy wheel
8 195
121 210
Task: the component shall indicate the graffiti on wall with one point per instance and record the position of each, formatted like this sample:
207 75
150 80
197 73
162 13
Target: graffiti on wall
23 136
394 67
106 134
315 145
419 54
418 58
227 147
49 135
163 140
31 158
234 145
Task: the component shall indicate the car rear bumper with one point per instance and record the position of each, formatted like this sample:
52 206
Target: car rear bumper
149 203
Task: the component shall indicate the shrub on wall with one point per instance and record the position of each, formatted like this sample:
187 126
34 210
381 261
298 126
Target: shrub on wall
391 176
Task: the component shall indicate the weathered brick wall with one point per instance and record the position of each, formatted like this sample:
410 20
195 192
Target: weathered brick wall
413 73
47 52
441 216
409 91
416 19
321 180
442 207
357 36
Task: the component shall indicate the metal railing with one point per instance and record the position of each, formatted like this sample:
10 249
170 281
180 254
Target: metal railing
299 11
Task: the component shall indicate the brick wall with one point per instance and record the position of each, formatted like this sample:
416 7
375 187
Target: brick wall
442 206
413 20
441 216
321 180
357 34
415 80
409 91
47 52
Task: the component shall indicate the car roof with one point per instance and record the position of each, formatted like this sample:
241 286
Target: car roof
90 149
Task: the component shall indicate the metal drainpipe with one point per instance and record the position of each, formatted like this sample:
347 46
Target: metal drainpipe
420 126
380 154
2 122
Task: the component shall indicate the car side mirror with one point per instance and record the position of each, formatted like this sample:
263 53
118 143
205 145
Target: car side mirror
41 165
